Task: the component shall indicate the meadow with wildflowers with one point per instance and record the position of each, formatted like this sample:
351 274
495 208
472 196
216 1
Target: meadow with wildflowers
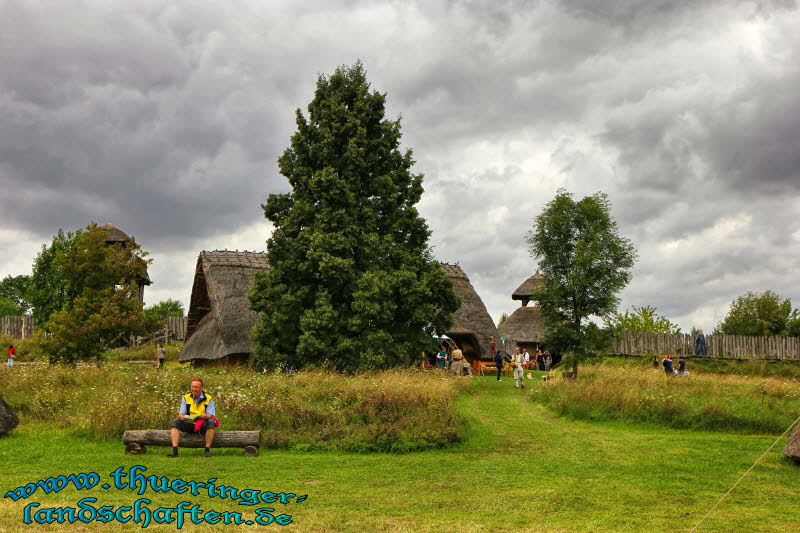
634 392
392 411
519 468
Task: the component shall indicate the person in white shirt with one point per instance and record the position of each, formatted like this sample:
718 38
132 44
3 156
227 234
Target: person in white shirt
519 376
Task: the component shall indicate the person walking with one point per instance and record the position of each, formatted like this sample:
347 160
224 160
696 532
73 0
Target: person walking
498 362
517 361
11 354
162 355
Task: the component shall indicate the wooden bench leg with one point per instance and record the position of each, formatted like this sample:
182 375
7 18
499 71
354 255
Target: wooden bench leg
134 448
250 450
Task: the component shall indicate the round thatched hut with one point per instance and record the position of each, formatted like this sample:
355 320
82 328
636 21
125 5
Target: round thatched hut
525 325
472 326
525 291
220 318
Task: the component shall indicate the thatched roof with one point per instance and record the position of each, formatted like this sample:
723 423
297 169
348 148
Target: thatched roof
471 323
114 233
528 287
220 318
524 325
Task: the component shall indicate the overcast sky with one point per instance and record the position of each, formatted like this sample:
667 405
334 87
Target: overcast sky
167 120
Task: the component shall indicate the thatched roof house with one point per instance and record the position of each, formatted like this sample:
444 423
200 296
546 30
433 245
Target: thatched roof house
472 326
525 325
220 318
114 236
528 287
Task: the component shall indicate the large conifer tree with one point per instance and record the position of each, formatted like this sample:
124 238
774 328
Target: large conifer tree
352 284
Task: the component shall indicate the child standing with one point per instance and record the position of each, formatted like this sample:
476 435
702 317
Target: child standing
11 353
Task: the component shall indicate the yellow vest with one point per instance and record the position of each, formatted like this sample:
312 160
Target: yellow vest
196 409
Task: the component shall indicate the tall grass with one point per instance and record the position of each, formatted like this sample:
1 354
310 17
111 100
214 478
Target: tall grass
393 411
27 350
717 402
145 352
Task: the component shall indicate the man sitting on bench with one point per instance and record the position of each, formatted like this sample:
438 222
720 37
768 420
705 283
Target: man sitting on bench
195 406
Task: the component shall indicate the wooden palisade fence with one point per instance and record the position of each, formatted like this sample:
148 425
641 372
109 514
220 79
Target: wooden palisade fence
22 327
726 346
17 327
176 328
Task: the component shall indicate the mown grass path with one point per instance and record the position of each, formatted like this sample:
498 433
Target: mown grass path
521 470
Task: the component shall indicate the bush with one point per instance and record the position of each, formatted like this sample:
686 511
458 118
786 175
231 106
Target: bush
700 402
393 411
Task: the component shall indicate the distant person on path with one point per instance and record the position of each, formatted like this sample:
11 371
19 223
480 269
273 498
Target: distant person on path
11 354
197 413
498 362
519 373
655 362
162 355
492 347
526 358
667 363
700 344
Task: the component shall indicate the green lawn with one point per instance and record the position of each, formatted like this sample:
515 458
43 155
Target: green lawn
521 469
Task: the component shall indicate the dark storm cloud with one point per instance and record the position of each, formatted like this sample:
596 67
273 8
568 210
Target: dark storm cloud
168 119
131 117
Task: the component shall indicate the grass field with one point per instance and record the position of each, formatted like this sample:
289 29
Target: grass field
521 468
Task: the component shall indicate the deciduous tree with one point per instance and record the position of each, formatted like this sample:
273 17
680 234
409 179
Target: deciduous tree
9 307
156 315
585 263
47 288
758 313
103 304
641 320
14 288
352 282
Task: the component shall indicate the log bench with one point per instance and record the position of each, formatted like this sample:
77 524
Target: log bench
135 440
142 362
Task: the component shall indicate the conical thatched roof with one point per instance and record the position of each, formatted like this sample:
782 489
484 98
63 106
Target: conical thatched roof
528 287
524 325
114 233
220 318
472 324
